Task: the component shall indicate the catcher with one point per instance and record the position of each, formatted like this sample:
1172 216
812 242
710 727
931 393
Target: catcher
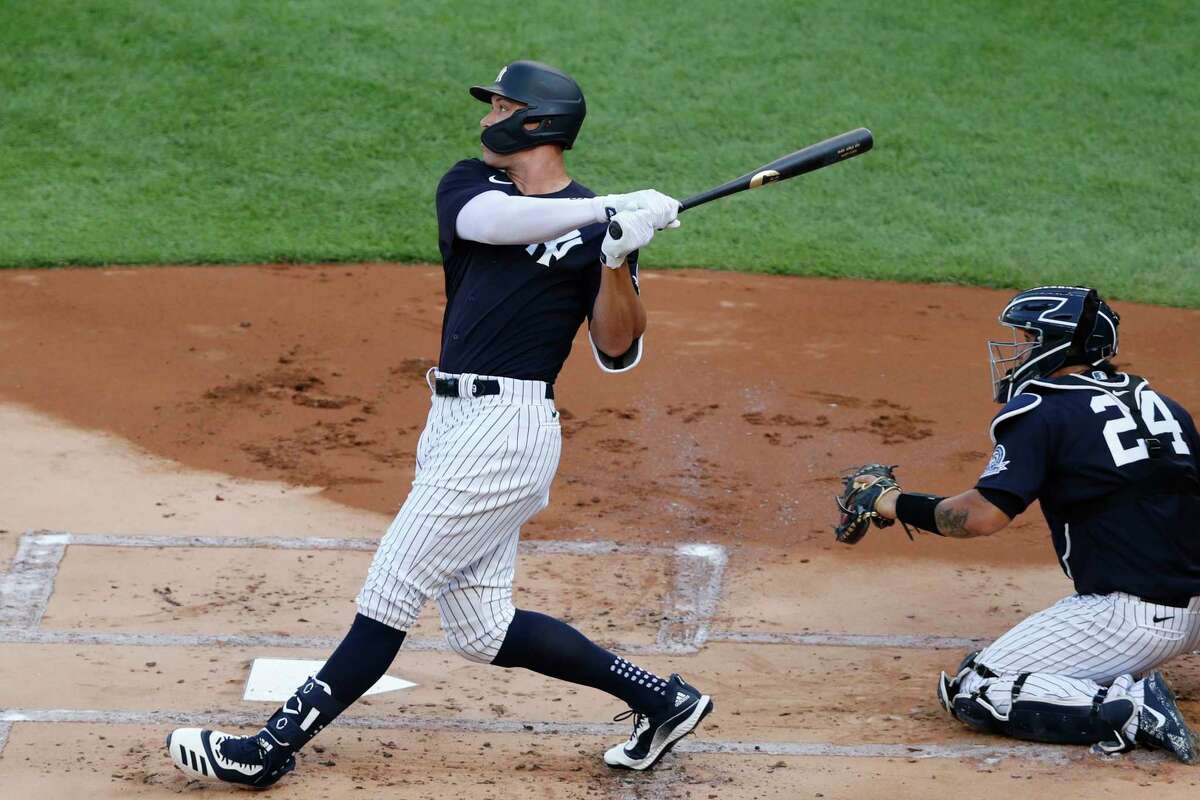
1114 464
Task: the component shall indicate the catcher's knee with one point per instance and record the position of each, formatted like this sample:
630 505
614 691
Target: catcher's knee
976 711
969 675
1103 721
964 695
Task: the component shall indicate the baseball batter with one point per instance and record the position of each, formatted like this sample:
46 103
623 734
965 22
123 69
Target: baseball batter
527 259
1113 462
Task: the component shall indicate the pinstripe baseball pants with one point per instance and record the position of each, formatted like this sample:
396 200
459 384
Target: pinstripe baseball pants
484 467
1081 643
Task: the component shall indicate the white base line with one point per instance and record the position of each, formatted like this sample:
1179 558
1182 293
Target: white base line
25 591
701 568
688 607
5 729
534 547
325 643
414 644
1032 752
851 640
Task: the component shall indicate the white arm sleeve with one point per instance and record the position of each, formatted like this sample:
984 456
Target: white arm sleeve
498 218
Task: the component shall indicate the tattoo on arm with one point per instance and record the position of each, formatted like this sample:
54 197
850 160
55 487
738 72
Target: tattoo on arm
951 521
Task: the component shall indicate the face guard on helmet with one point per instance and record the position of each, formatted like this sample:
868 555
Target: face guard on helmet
552 98
1053 327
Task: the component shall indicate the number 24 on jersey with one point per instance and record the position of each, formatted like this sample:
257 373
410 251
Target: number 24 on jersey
1158 419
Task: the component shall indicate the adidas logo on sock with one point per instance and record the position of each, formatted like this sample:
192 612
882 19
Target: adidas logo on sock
680 699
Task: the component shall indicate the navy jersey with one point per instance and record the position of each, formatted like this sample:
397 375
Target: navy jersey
1072 444
513 310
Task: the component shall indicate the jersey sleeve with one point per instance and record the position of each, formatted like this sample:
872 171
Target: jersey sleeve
1020 460
630 358
464 181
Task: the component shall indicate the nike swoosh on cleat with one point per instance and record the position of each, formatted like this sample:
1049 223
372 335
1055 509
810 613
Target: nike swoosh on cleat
1161 720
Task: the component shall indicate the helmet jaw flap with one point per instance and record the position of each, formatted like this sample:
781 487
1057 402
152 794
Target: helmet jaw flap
1069 326
509 135
552 99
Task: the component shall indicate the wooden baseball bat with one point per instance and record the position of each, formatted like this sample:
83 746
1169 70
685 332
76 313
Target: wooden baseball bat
814 157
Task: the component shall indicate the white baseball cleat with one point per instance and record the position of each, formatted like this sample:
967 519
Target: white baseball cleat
654 735
222 758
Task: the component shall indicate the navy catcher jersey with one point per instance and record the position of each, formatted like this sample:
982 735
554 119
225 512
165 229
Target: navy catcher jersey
513 310
1071 442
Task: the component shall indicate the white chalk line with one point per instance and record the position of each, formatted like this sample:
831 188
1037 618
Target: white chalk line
25 591
698 577
283 641
688 608
900 641
533 547
249 640
1050 753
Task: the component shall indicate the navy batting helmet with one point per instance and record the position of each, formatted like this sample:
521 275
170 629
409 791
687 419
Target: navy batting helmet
552 98
1066 325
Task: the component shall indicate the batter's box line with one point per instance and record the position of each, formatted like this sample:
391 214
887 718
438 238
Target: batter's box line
406 723
869 640
26 589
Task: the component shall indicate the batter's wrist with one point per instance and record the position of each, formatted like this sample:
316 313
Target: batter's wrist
601 207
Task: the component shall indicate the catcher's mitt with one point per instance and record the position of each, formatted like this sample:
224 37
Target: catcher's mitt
862 488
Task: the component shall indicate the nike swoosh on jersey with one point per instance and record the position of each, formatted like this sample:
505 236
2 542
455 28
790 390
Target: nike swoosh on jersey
1163 619
492 178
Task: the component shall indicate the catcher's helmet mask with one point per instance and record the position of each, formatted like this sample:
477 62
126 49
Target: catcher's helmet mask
1070 326
552 99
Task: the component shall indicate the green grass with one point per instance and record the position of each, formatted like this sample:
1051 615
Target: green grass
1016 142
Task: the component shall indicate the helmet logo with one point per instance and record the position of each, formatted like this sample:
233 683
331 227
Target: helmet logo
500 77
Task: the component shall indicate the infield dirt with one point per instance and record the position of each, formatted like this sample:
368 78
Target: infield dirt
285 401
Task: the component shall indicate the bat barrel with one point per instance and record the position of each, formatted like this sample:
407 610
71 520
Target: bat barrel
815 156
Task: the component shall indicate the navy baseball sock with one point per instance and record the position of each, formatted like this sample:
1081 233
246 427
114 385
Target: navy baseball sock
552 647
361 659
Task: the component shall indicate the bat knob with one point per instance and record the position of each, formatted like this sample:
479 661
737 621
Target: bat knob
614 230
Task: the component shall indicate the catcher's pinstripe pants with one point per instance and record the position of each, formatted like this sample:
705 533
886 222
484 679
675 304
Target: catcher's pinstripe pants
1084 642
484 467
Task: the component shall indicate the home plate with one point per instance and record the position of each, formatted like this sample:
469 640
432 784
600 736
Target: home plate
276 679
